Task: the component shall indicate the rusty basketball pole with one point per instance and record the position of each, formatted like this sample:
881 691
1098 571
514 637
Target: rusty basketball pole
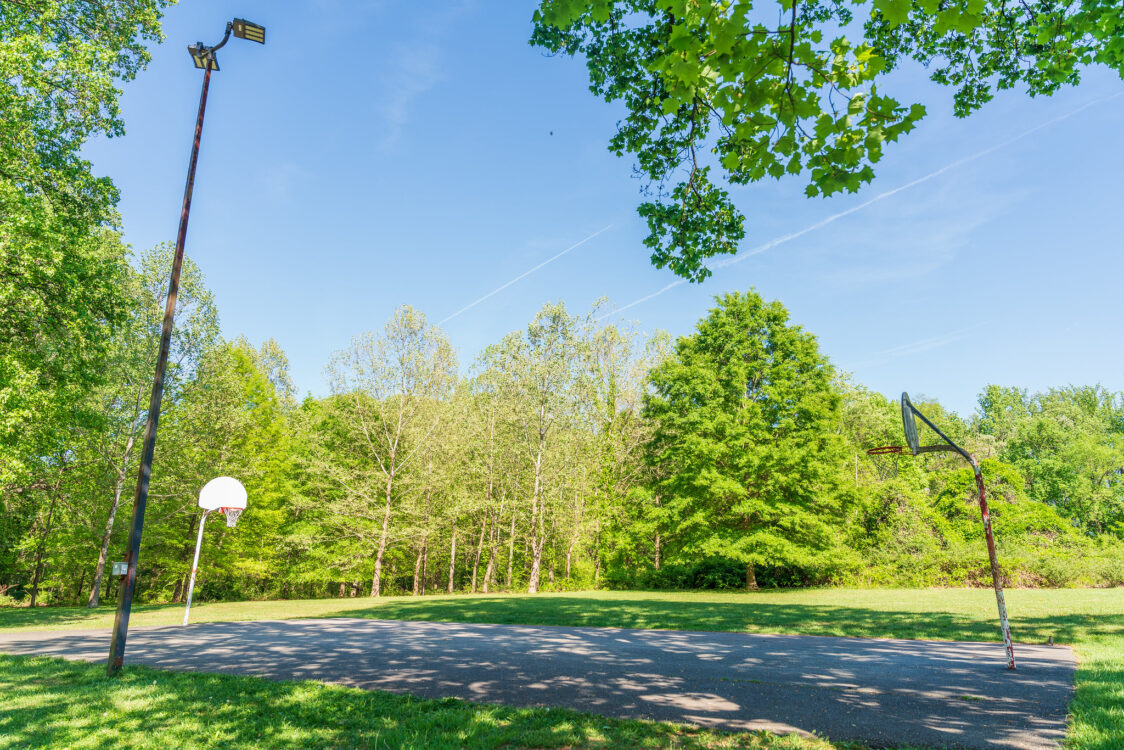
204 58
910 414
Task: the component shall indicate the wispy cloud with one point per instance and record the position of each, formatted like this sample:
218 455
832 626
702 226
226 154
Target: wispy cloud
742 256
279 181
416 65
524 275
914 238
916 347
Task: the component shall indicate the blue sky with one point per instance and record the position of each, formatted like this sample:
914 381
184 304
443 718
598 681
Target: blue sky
374 154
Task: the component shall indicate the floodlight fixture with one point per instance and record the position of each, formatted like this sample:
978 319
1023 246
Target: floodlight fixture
244 29
910 415
203 57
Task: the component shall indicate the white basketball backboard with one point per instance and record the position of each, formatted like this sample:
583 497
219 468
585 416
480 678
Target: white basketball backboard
222 492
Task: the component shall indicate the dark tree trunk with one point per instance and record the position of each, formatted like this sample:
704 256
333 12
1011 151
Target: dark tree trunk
453 558
38 575
511 551
99 571
750 578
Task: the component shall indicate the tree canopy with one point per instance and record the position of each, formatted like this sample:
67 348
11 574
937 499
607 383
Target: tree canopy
723 92
746 437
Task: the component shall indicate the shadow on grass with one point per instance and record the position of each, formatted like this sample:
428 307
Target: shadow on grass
19 618
748 617
49 702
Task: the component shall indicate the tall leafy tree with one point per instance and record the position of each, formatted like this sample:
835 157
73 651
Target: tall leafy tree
1069 445
62 269
542 372
122 400
746 437
386 386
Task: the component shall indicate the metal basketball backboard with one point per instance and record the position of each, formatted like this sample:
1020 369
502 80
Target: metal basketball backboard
909 423
222 492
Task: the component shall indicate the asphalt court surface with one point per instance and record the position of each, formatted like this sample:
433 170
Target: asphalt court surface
880 692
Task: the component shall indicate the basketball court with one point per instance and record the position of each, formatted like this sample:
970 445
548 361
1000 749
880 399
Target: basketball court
879 692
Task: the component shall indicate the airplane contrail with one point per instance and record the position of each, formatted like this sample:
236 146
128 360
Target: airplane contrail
524 275
881 196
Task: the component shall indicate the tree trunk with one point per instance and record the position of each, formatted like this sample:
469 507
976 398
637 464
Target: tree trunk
597 553
78 588
577 530
750 578
657 551
99 571
453 558
479 549
493 537
489 488
43 544
376 579
538 509
343 590
419 569
511 551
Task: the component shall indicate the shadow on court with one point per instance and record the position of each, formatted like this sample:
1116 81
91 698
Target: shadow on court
880 692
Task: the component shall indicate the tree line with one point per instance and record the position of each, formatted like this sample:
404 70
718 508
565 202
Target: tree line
572 453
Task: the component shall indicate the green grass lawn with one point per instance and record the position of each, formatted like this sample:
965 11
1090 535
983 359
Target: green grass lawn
59 704
1091 620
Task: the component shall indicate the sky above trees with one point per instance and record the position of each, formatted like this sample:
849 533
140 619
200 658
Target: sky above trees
379 154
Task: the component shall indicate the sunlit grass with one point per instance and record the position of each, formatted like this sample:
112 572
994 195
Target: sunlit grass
47 702
1091 620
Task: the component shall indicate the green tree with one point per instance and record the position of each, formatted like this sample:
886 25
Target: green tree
62 269
386 386
1069 445
747 438
716 84
542 373
122 400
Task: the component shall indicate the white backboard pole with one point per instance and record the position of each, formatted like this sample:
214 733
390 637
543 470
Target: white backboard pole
195 565
221 493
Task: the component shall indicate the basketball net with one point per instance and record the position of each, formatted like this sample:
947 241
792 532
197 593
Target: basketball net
231 515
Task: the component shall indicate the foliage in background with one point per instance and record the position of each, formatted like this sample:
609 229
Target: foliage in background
576 449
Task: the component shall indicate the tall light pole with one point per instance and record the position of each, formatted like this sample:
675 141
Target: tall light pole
204 58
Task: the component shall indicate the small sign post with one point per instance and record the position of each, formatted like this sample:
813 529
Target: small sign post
120 568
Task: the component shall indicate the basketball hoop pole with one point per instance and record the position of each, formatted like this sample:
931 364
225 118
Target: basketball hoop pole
908 411
195 565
